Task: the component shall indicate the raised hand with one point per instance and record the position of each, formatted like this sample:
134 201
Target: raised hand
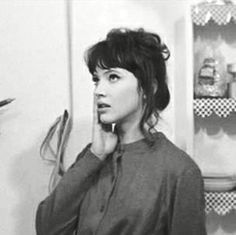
104 139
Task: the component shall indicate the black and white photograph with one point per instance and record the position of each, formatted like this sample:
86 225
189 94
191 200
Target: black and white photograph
118 117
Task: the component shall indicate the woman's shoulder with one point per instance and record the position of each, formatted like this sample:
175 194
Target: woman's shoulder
173 158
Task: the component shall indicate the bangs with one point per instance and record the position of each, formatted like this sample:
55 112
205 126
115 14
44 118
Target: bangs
107 56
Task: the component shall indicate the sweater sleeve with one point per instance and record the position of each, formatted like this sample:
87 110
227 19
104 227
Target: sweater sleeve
188 216
58 213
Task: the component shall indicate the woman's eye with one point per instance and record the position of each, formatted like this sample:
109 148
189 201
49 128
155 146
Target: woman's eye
113 77
95 80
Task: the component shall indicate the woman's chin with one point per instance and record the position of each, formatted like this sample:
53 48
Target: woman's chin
106 121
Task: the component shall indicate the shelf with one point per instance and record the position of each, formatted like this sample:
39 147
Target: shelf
222 107
220 202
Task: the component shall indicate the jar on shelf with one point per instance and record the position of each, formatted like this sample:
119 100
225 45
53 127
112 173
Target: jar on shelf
209 82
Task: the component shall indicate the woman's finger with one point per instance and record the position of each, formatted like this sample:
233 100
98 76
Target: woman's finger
95 112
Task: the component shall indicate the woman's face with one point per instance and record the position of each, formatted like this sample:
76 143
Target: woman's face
118 98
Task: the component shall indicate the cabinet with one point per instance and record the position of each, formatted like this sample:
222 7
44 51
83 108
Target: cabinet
210 134
214 119
208 127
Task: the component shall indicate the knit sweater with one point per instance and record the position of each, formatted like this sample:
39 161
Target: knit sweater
138 190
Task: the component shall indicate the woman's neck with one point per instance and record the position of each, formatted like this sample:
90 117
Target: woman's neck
129 134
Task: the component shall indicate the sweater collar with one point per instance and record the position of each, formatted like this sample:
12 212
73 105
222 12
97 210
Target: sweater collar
141 144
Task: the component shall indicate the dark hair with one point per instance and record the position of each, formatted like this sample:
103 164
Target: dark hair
143 54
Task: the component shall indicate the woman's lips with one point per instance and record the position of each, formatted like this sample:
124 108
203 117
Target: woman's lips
102 107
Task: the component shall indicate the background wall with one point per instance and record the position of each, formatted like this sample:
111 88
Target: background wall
33 71
33 62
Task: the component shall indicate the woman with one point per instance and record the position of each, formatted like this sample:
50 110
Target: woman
131 180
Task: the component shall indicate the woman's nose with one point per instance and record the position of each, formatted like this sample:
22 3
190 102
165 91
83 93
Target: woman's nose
100 89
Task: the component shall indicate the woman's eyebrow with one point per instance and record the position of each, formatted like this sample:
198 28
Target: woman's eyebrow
106 71
111 70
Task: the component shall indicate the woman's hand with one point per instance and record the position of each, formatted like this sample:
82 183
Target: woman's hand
104 140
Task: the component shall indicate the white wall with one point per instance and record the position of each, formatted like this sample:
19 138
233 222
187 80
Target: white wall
33 71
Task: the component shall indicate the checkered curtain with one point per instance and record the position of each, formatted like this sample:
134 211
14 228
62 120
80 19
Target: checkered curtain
220 14
220 202
221 107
